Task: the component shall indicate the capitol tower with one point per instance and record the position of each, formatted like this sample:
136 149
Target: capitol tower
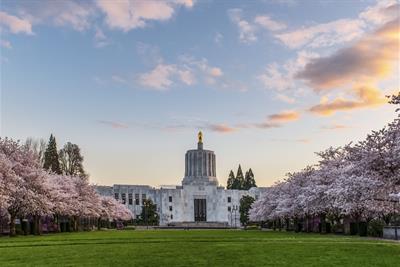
200 166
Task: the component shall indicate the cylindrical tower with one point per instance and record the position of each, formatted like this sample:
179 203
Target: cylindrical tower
200 166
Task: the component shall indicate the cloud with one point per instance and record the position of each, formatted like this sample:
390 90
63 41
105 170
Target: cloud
342 30
215 72
323 35
284 116
75 14
221 128
383 12
281 77
210 74
335 127
5 44
365 97
160 78
249 28
149 54
246 29
100 38
127 15
163 75
118 79
285 98
278 119
268 23
218 38
14 24
187 71
266 125
371 58
274 78
113 124
187 77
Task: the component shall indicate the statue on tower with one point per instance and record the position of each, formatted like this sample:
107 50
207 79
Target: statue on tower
200 135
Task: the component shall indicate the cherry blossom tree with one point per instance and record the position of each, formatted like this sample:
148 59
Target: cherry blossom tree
114 210
24 184
353 182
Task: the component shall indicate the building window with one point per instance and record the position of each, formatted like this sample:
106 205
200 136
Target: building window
143 198
116 196
229 200
170 208
137 199
172 217
123 198
130 199
170 198
229 208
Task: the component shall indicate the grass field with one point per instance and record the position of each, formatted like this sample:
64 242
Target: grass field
196 248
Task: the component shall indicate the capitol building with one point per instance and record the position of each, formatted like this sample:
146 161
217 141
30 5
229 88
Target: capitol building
199 200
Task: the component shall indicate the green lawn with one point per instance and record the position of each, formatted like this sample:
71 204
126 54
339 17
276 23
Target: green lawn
196 248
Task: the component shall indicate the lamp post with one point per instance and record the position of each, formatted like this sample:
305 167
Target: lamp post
230 211
235 208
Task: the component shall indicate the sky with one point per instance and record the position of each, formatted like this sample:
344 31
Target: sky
132 82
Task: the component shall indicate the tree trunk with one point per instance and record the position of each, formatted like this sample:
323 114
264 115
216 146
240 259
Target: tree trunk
37 227
323 223
12 226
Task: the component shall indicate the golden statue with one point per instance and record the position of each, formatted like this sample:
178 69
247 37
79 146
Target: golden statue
200 135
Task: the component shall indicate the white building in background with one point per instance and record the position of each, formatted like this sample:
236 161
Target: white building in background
198 201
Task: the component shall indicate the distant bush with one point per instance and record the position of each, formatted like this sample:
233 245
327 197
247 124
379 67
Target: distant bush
252 227
375 228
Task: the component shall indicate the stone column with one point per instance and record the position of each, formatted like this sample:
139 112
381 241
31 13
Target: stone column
214 171
186 164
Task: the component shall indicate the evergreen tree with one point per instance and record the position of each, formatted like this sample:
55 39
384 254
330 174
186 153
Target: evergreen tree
149 215
51 161
231 180
239 180
71 160
245 206
246 181
249 180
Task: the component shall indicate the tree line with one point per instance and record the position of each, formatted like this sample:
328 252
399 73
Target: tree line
67 160
41 186
352 187
239 181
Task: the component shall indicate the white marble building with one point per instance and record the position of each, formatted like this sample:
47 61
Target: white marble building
198 200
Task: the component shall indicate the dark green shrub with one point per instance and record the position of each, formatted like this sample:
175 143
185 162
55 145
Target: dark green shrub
353 228
363 228
375 228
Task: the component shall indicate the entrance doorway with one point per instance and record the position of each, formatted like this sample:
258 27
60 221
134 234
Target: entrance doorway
200 210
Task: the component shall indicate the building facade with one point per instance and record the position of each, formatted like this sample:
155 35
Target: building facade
198 200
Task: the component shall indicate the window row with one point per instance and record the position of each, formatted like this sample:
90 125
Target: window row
130 198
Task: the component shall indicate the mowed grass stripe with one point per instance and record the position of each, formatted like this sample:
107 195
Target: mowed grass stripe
196 248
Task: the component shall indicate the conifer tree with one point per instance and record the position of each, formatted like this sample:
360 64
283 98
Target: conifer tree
149 215
231 180
239 180
249 180
51 161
